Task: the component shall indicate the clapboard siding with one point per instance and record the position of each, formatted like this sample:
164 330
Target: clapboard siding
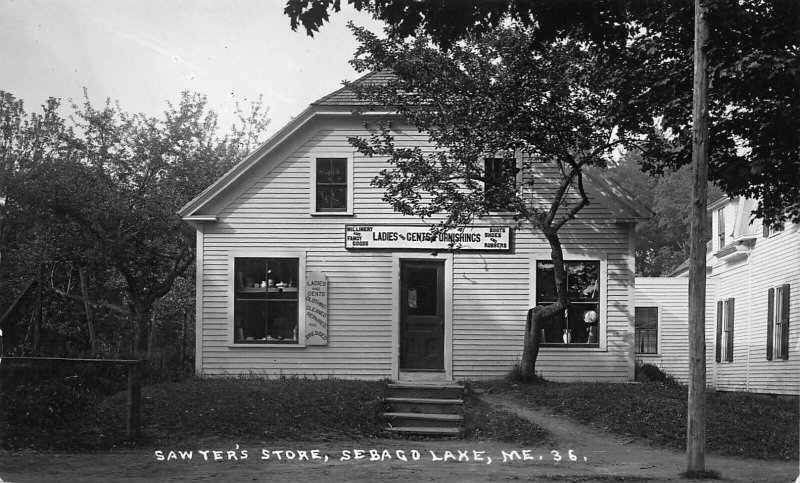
747 277
669 295
491 292
772 262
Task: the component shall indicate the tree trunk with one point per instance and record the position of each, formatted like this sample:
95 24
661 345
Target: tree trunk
530 352
540 315
151 335
182 358
37 321
87 304
696 416
142 316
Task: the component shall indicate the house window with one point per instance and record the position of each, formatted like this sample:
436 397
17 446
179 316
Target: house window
771 229
265 307
721 227
331 188
646 330
725 330
500 183
580 323
778 323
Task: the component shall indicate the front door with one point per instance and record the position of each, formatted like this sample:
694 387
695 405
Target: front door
422 315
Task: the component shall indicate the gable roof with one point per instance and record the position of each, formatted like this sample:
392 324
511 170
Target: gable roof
623 205
343 102
347 97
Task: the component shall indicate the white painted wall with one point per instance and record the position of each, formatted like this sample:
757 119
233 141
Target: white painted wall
491 291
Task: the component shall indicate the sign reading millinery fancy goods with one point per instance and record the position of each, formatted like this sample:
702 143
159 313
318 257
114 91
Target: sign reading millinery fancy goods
316 308
409 236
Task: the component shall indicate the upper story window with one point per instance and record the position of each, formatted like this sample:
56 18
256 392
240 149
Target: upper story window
771 229
721 227
580 323
500 184
646 330
331 187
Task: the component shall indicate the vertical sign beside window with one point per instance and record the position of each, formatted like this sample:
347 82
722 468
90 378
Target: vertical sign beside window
316 308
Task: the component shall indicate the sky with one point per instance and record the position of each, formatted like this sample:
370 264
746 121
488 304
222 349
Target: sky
144 53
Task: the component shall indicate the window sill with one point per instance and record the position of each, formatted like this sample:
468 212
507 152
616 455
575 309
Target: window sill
649 354
572 346
250 344
331 213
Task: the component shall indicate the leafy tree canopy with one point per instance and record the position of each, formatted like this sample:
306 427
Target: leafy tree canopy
662 242
754 51
484 103
101 191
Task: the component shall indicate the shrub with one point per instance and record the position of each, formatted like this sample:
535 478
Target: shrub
651 373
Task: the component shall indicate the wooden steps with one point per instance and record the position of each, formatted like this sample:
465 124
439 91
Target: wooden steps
427 409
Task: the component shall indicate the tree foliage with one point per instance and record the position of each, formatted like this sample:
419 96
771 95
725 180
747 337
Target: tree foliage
662 242
502 95
100 192
754 50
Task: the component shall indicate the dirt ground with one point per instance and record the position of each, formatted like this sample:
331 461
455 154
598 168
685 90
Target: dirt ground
576 453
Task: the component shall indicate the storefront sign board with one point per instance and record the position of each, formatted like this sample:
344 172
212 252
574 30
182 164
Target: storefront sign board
316 308
394 237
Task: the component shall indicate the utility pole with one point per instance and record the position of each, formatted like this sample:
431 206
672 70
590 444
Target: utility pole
696 420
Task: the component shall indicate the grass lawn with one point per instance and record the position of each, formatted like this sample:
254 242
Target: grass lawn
246 408
751 425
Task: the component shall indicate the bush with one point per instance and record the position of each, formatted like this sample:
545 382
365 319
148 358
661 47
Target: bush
651 373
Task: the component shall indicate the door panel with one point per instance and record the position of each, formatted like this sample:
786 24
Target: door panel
422 315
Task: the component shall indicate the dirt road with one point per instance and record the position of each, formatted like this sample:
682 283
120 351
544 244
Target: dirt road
577 453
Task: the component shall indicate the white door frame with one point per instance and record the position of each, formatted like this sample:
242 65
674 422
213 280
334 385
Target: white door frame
397 257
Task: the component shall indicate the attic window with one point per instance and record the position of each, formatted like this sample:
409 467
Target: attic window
331 185
500 186
721 227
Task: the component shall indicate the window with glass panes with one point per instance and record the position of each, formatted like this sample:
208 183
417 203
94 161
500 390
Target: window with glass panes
266 300
778 322
580 323
646 329
725 318
331 184
500 184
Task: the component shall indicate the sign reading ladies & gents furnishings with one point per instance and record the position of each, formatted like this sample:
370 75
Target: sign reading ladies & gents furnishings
493 237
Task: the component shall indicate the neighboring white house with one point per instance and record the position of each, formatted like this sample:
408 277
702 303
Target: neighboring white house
661 323
302 269
752 319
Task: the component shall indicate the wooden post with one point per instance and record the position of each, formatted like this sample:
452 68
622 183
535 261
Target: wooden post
87 305
696 420
134 399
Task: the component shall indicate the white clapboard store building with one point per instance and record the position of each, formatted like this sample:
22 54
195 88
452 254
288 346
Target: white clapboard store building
303 270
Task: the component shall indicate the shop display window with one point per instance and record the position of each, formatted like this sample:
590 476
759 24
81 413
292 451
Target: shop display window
266 300
580 322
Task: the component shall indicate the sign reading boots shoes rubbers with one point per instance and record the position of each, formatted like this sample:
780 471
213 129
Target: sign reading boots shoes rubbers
420 237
